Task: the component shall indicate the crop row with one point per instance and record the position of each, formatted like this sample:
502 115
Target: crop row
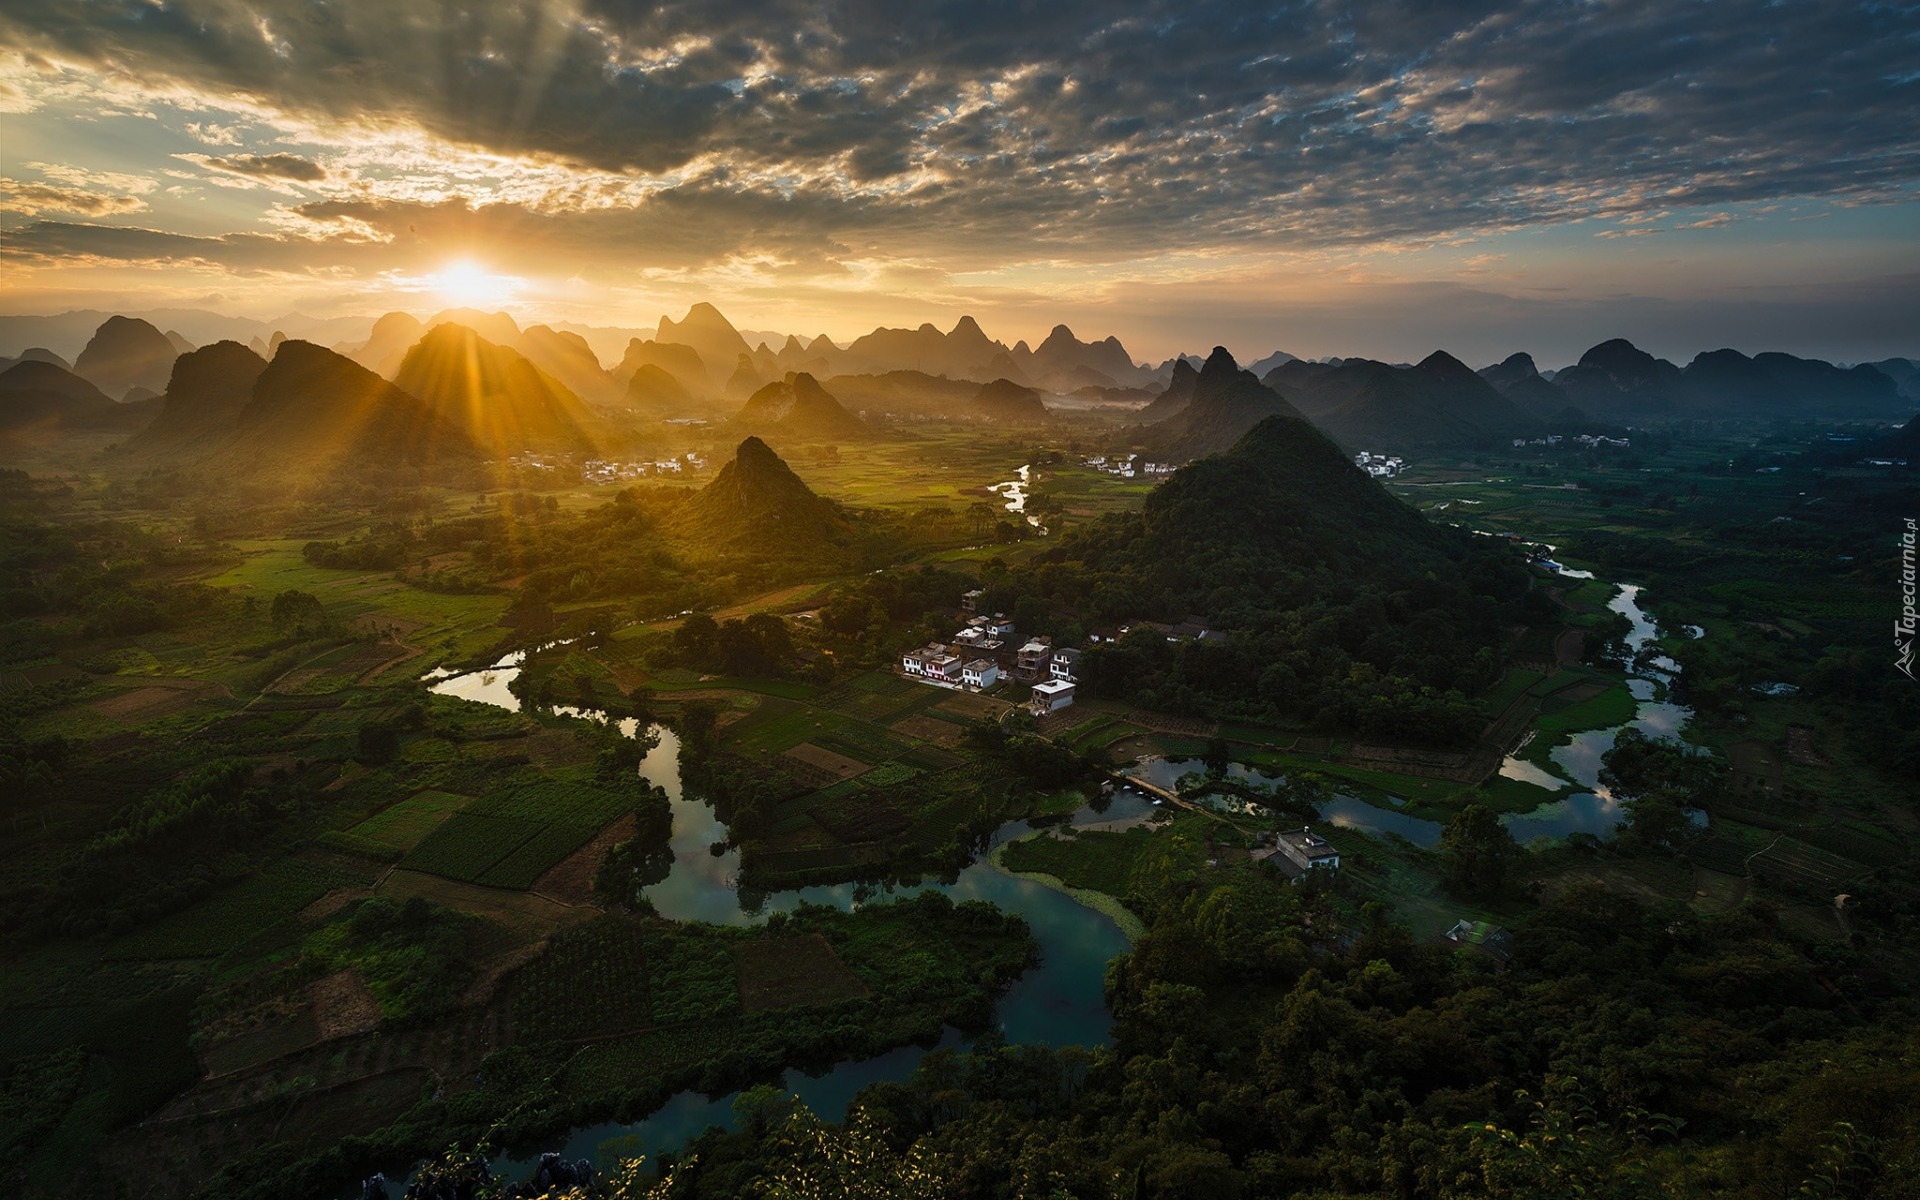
591 981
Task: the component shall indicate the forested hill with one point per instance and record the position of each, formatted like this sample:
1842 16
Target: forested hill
758 502
1285 497
1344 607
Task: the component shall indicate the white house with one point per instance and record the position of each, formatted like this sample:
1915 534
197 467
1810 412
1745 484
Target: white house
1000 625
944 667
980 673
1305 848
914 662
1063 664
970 601
1052 695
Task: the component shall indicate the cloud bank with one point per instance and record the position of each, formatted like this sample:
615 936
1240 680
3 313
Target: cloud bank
971 136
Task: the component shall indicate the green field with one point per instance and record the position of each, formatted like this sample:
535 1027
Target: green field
407 823
509 839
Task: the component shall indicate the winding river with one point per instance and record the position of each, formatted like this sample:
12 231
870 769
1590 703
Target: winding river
1590 809
1060 1002
1014 492
1594 810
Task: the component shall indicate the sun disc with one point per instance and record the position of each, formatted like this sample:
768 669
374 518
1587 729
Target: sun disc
466 283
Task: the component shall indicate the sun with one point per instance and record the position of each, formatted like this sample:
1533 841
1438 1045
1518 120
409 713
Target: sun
466 283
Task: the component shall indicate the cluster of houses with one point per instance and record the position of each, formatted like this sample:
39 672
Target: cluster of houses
599 470
1128 467
1589 440
1380 466
985 653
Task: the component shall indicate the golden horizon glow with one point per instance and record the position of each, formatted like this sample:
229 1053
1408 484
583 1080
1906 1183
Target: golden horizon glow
467 283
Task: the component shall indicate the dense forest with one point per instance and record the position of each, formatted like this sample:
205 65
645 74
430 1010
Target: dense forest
1624 1050
1342 607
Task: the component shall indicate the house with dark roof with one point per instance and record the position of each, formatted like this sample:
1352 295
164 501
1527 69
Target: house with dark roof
1306 849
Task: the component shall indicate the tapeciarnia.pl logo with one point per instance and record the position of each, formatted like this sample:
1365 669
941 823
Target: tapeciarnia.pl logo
1903 627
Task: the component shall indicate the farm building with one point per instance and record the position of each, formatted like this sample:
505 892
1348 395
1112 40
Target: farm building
1051 695
1305 849
980 673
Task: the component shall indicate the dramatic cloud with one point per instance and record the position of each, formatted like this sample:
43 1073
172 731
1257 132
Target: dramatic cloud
856 138
266 166
32 199
1059 121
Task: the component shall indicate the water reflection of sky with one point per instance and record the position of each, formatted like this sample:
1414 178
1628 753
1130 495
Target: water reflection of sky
1062 1001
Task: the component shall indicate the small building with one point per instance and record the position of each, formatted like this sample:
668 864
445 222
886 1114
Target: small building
1064 664
1482 935
980 673
1306 849
1031 659
914 662
1051 695
1000 625
970 601
972 637
947 668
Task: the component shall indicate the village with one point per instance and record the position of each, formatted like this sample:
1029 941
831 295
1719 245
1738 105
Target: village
1380 466
1129 466
1590 440
983 656
599 470
987 654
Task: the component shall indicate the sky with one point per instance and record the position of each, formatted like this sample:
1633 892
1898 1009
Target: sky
1324 178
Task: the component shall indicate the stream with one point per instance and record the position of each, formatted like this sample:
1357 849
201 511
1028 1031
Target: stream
1591 809
1014 492
1594 810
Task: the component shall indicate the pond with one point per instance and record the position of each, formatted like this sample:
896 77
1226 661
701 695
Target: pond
1351 812
1166 772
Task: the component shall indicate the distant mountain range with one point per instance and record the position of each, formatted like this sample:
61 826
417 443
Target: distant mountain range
1364 404
1617 380
506 389
313 412
42 400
